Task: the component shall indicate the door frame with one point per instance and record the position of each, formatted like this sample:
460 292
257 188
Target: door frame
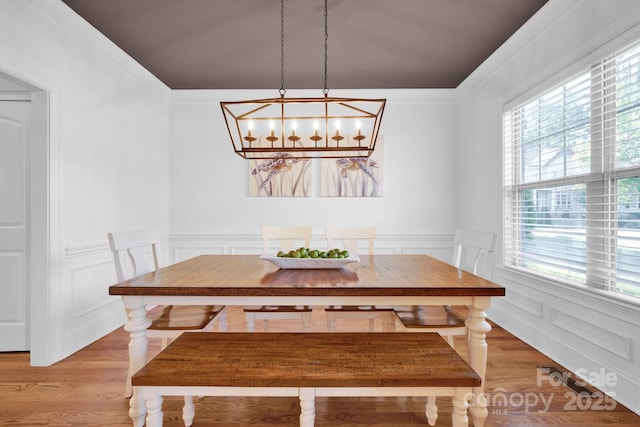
44 257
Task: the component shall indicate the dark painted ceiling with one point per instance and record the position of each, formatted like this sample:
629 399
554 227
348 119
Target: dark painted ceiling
235 44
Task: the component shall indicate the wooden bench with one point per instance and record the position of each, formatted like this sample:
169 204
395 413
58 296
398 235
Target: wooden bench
306 365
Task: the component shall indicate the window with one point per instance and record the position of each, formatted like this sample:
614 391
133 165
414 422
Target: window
563 200
572 178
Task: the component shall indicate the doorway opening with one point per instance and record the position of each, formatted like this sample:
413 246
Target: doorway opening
26 216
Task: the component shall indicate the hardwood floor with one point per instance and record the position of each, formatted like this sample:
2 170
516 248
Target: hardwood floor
86 389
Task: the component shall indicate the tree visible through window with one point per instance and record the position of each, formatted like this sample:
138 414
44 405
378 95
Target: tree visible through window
572 178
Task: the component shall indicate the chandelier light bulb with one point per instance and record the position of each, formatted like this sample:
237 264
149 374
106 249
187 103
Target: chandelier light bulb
272 136
249 138
315 138
359 136
337 137
294 138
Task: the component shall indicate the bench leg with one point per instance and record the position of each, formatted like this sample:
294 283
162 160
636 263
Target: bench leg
459 415
431 410
188 411
307 407
137 409
154 408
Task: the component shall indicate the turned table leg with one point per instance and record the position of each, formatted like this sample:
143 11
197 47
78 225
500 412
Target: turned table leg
137 328
478 329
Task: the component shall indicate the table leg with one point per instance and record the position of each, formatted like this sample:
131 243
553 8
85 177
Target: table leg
137 328
478 328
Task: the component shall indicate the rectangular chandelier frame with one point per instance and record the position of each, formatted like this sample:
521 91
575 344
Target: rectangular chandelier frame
303 127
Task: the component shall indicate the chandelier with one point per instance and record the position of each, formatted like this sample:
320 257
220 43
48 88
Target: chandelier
325 127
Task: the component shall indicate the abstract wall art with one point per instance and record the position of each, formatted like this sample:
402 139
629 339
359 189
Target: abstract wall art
353 177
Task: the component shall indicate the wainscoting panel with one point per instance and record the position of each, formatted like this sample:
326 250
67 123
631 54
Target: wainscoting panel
180 253
88 311
615 342
528 305
586 331
88 285
184 246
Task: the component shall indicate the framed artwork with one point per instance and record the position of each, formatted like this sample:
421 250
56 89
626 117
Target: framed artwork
283 176
353 177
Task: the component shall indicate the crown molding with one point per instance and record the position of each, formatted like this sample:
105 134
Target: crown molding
65 18
620 31
207 96
533 29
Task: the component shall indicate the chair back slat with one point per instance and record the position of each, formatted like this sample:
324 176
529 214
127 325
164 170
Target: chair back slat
288 237
350 237
471 249
132 250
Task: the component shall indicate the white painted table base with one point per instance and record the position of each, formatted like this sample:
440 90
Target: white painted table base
476 323
153 396
243 280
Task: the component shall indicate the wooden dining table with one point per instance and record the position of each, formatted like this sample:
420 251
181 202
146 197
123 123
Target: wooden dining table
250 280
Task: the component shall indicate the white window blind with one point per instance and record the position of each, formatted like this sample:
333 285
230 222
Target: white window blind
572 178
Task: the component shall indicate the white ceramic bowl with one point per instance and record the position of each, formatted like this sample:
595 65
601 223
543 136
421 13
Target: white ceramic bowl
309 263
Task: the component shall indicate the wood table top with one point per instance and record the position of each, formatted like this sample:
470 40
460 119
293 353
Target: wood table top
249 275
308 360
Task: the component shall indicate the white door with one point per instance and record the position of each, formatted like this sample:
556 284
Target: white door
14 315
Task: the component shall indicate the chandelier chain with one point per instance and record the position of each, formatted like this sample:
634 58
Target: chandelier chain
282 89
284 115
325 90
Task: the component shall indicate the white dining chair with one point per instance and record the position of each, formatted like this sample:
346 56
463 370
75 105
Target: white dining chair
349 238
138 252
288 238
471 250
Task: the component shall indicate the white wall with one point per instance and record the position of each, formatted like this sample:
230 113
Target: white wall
209 182
108 158
578 329
109 170
117 163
